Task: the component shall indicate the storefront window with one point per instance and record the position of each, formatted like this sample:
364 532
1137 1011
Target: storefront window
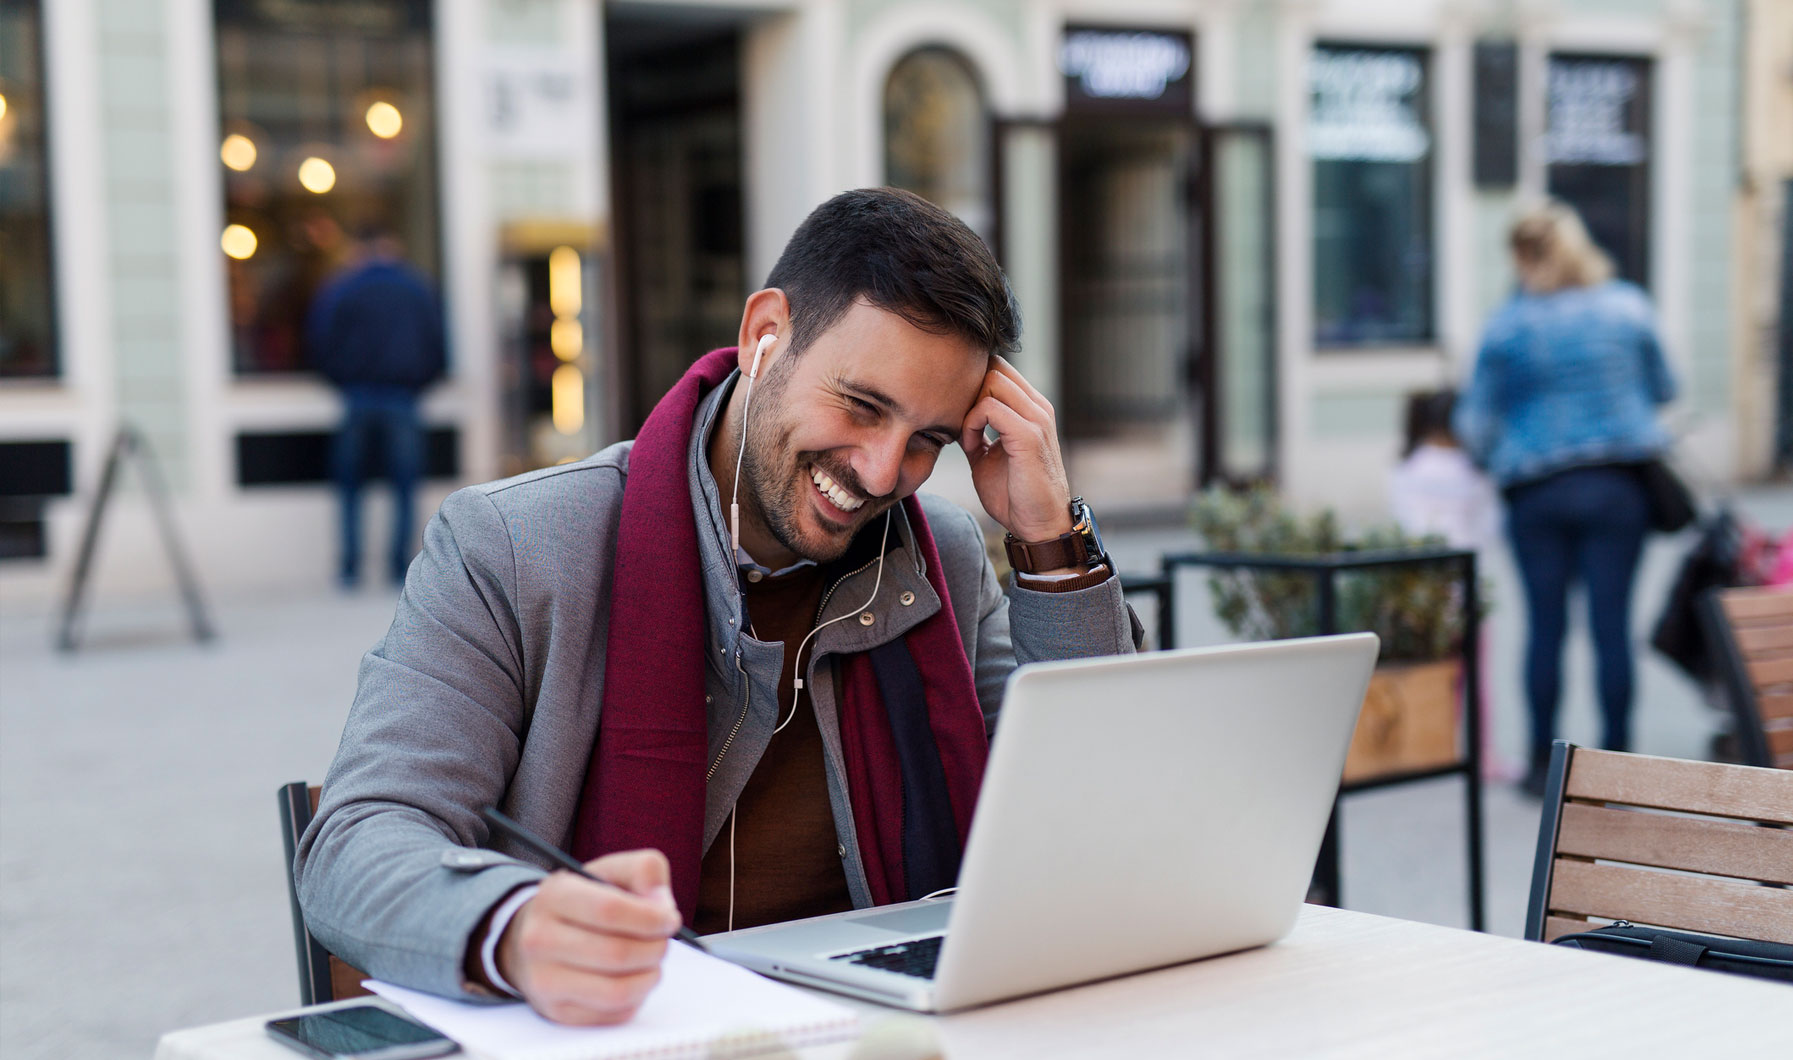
1597 145
937 135
27 313
326 132
1371 142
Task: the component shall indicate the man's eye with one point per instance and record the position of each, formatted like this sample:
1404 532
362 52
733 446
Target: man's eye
861 405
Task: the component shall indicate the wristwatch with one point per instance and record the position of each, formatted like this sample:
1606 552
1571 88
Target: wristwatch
1081 547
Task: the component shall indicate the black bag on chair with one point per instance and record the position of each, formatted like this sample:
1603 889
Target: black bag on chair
1764 960
1713 562
1672 506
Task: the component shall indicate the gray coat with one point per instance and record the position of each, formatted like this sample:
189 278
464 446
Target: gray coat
486 689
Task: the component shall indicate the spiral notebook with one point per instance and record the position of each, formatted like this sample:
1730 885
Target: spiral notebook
703 1007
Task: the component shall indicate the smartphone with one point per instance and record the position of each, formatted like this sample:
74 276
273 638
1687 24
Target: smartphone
360 1032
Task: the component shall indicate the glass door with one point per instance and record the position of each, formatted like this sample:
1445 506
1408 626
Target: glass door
1130 239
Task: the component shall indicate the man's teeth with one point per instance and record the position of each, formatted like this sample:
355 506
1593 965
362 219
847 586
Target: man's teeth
841 499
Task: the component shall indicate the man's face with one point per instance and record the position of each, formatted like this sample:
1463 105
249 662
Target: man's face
852 425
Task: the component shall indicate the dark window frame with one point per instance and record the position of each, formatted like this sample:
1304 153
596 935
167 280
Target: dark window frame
1637 268
418 14
1425 108
989 170
57 370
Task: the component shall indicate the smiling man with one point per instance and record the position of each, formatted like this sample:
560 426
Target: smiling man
738 665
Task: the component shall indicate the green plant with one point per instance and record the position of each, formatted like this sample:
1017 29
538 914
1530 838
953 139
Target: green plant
1417 609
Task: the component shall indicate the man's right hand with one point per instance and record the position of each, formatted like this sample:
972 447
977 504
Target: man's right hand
588 953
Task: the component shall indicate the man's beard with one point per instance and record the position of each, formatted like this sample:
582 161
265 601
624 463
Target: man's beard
774 494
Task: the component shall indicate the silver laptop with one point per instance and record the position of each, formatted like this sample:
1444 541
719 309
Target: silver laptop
1137 811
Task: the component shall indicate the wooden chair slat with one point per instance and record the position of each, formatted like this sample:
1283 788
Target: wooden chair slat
1693 903
1726 848
1756 640
1674 784
345 980
312 793
1775 705
1766 672
1557 926
1747 604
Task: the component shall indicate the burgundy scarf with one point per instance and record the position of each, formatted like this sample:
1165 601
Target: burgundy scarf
912 731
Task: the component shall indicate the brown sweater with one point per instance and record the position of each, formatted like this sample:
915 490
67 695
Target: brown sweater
787 859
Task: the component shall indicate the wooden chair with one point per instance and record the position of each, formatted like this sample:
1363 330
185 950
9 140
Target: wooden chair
1750 635
1613 822
322 975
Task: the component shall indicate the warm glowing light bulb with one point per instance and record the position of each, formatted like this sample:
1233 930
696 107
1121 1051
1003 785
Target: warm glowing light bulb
566 338
564 282
567 389
316 175
2 106
384 120
238 152
238 242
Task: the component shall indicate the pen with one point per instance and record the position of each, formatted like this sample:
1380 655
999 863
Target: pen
538 845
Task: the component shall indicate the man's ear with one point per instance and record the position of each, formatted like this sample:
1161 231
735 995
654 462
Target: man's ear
767 312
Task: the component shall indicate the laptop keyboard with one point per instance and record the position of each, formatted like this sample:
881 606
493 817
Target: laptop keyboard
917 957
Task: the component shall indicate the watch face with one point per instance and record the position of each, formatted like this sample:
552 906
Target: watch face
1085 517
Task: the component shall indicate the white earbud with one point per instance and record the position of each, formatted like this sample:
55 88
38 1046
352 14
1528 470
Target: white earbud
758 352
734 499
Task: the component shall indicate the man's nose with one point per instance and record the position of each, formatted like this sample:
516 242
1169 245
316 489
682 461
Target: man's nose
880 465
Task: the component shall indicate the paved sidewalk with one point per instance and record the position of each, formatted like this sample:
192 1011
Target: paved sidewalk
141 879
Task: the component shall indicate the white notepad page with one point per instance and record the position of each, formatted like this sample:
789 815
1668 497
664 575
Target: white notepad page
703 1007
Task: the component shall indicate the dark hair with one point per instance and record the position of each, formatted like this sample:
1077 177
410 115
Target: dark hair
1428 414
902 254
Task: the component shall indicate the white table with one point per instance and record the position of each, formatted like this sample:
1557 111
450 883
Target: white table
1343 984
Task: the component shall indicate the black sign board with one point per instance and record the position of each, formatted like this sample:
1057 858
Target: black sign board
1496 163
1597 151
1119 69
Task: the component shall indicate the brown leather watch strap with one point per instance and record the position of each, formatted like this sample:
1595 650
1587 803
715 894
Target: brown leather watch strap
1032 557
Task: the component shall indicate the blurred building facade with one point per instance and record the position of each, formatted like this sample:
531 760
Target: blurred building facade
1240 230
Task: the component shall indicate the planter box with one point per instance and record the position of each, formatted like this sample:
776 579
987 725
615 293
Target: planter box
1409 720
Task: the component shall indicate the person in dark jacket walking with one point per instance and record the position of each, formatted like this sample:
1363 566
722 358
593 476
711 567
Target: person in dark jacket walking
1561 411
375 331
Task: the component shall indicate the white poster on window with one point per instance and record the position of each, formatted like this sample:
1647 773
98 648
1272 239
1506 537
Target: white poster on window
1366 106
540 104
1589 101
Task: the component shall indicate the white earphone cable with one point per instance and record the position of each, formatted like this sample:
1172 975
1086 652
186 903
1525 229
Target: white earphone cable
734 489
797 660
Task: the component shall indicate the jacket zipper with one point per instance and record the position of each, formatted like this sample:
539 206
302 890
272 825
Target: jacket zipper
747 697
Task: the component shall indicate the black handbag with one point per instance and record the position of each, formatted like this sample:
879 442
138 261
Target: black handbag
1753 957
1671 502
1714 561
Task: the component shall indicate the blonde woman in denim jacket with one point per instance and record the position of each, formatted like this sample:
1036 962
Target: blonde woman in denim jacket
1560 410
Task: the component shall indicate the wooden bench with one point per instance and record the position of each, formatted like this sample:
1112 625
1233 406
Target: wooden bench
1750 632
1605 840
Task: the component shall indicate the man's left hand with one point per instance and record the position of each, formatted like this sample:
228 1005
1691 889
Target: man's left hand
1020 477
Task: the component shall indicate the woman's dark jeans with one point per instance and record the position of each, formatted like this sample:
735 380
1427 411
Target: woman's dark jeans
1584 524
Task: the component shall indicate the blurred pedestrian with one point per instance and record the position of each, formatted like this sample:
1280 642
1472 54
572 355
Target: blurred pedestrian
375 330
1437 491
1561 411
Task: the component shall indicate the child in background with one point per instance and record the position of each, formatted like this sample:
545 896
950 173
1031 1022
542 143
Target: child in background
1436 489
